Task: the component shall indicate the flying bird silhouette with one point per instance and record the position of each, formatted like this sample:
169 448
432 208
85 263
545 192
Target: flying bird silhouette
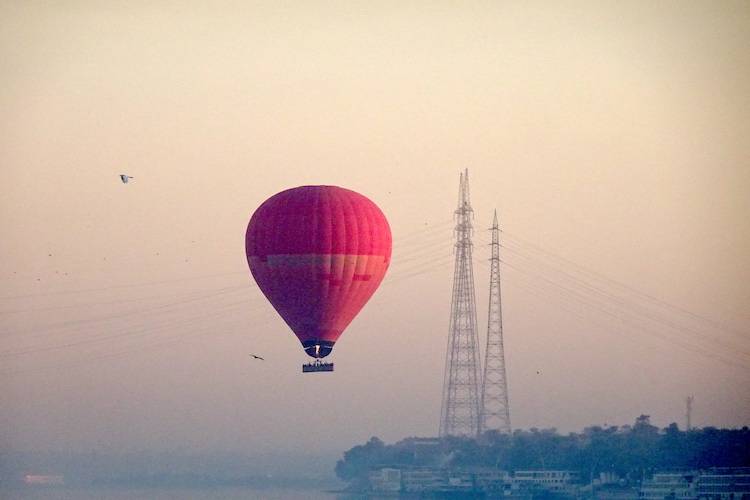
125 178
257 357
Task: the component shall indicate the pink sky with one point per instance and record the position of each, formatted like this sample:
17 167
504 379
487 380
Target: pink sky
612 135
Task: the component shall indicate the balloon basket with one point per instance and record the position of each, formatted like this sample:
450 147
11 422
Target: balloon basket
317 366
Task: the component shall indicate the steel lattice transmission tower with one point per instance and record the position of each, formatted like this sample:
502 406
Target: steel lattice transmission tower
494 412
459 414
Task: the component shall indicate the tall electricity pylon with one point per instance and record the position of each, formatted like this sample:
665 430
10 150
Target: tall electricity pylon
494 412
459 415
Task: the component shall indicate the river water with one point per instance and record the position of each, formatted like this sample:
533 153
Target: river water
248 493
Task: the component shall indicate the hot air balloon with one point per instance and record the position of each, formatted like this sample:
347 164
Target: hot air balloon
318 253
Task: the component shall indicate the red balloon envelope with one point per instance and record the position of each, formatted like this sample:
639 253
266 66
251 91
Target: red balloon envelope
318 253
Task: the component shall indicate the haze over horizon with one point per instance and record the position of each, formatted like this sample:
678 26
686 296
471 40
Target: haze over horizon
611 138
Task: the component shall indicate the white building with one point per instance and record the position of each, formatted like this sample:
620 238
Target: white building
385 479
677 486
724 484
560 481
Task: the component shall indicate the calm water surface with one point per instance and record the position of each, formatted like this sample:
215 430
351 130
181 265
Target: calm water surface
167 494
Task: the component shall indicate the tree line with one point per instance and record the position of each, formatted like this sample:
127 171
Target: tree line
628 451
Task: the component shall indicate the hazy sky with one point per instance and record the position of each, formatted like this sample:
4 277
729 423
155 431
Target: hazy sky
612 137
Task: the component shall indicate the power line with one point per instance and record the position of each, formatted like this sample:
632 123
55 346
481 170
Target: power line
116 287
624 302
124 314
149 348
621 285
569 293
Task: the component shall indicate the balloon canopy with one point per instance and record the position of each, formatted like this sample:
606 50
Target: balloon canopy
318 253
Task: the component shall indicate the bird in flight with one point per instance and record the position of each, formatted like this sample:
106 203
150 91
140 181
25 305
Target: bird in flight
257 357
125 178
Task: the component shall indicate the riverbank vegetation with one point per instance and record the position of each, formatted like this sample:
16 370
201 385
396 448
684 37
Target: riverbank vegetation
628 451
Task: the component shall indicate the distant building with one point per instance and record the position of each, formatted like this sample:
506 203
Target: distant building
385 479
677 486
724 484
713 484
440 480
434 479
607 485
493 481
423 479
460 481
606 478
557 481
615 492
